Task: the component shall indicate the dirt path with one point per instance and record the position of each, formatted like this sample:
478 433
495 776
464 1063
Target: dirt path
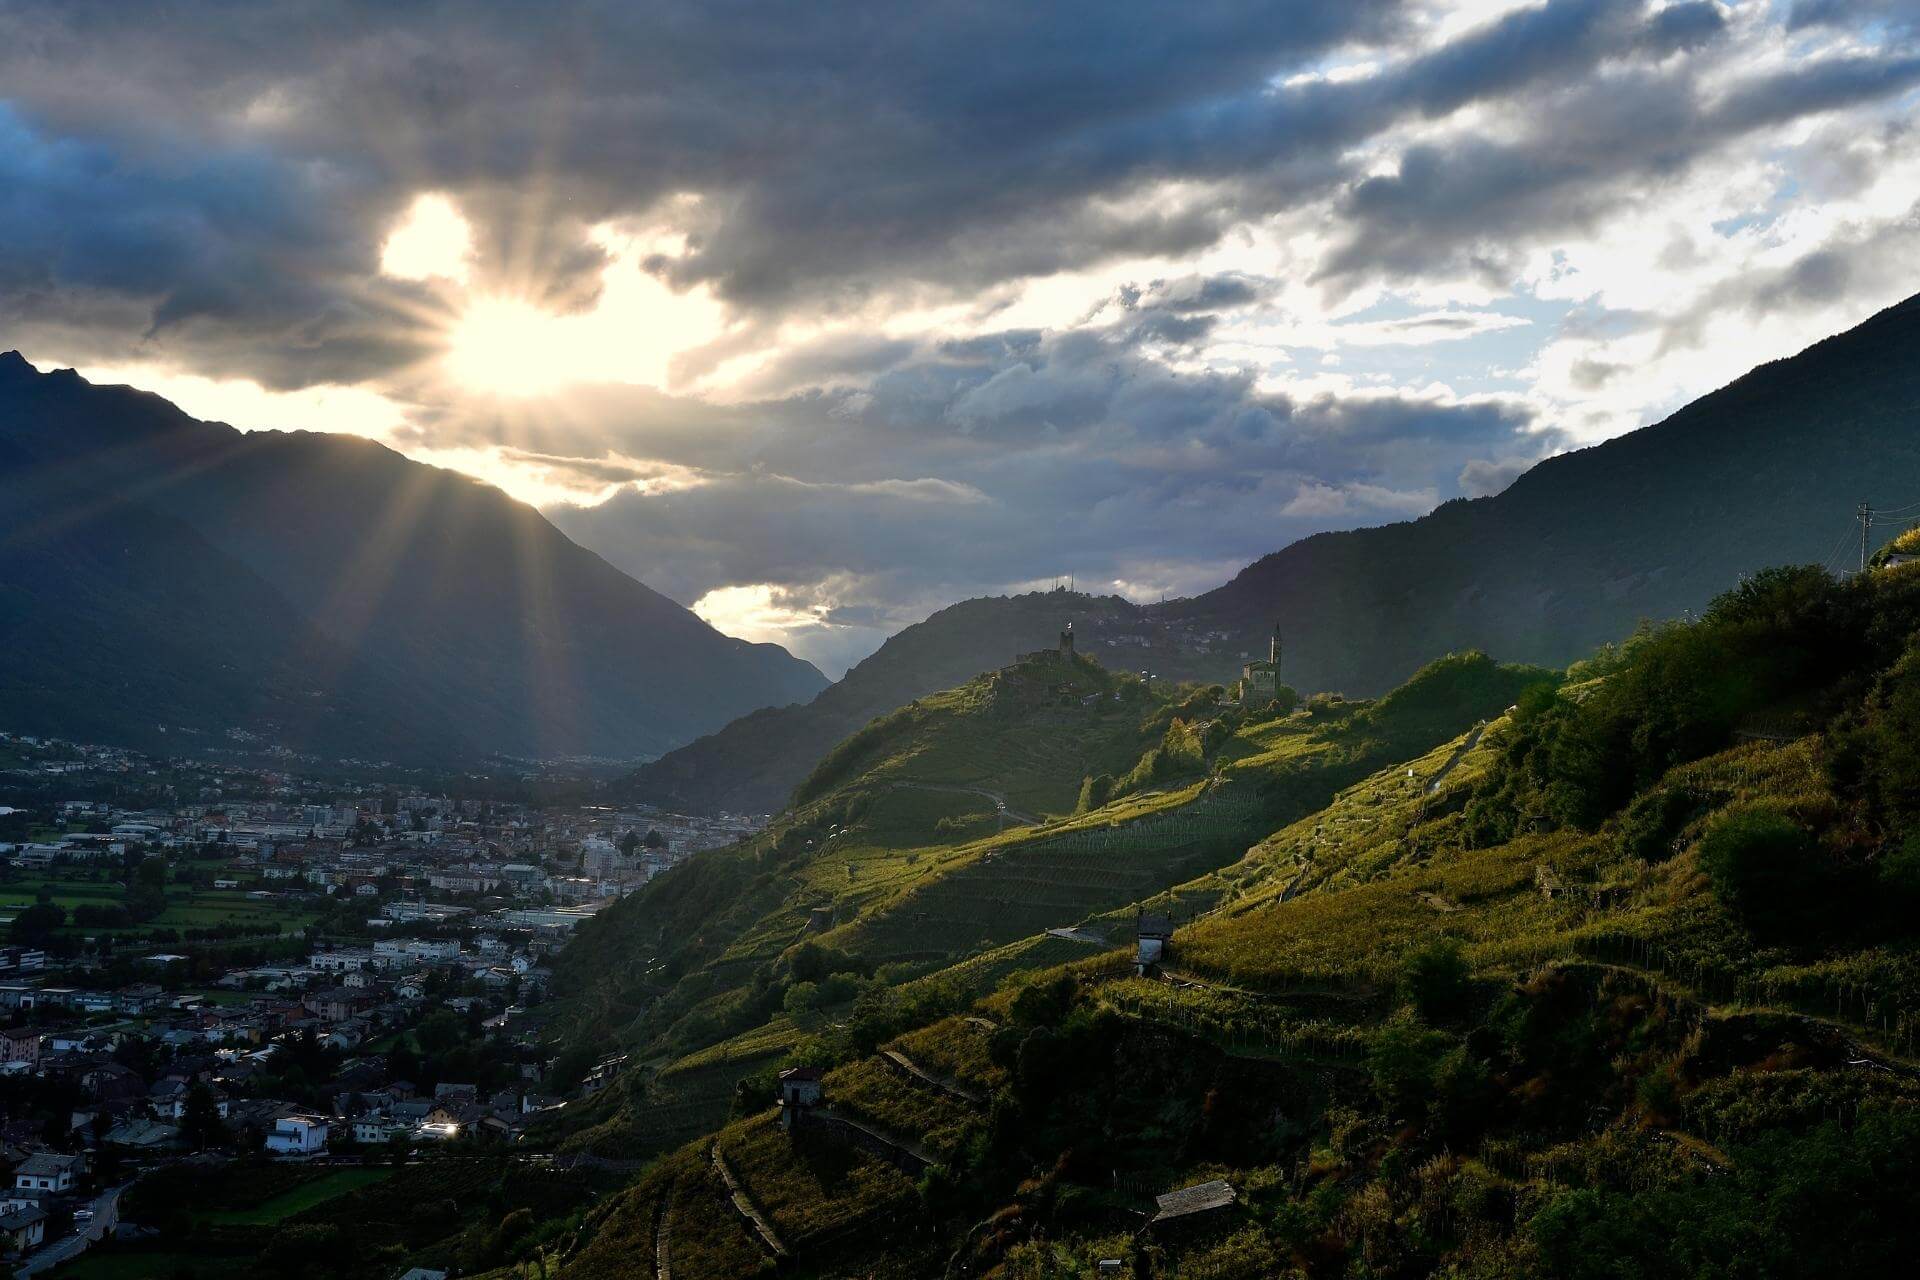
745 1207
885 1139
1078 935
1459 754
953 1088
662 1246
999 801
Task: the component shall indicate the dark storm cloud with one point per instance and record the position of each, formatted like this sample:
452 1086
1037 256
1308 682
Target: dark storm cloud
839 153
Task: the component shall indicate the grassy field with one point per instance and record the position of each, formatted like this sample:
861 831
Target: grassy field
188 906
298 1199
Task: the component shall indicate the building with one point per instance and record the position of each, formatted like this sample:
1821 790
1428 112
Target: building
337 1004
1154 930
339 961
1204 1200
800 1091
375 1131
19 1044
22 1230
48 1171
297 1136
1260 681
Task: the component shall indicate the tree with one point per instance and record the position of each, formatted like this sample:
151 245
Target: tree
35 925
1438 980
628 843
200 1123
654 839
147 889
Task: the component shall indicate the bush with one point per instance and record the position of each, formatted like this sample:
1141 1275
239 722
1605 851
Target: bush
1438 981
1763 864
1652 823
1094 792
1403 1060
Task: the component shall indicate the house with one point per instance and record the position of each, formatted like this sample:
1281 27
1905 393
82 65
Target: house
48 1171
140 1133
110 1080
19 1044
800 1091
1154 929
340 961
297 1136
374 1131
337 1004
423 1273
22 1230
1190 1203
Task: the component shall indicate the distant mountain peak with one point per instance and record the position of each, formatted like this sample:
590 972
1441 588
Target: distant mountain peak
234 575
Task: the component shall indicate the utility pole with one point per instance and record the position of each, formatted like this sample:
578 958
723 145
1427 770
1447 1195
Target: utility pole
1865 513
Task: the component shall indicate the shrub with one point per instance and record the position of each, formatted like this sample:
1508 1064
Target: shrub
1652 822
1094 792
1762 864
1438 981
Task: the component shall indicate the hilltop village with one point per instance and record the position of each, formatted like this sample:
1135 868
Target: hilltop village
238 962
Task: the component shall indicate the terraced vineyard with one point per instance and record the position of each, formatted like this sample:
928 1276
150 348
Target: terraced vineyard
1056 879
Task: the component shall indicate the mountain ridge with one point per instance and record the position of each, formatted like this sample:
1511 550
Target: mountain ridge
1573 554
504 635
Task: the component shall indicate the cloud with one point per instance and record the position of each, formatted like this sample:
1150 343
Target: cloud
827 319
1076 452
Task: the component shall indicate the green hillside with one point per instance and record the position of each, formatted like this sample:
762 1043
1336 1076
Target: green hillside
1626 973
898 889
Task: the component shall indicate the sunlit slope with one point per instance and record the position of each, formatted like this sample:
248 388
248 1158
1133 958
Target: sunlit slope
884 914
1626 974
886 810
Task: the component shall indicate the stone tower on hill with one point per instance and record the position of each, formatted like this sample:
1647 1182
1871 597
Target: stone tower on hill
1260 681
1066 642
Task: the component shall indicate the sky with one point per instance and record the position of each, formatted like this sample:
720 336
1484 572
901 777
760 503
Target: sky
818 318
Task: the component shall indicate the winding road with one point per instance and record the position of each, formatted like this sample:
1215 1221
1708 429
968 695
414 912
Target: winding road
106 1212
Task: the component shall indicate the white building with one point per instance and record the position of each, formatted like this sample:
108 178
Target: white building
45 1171
297 1136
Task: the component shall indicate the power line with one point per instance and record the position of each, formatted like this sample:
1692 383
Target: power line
1829 561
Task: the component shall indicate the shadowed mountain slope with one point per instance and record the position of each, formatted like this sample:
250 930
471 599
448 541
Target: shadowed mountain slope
407 611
